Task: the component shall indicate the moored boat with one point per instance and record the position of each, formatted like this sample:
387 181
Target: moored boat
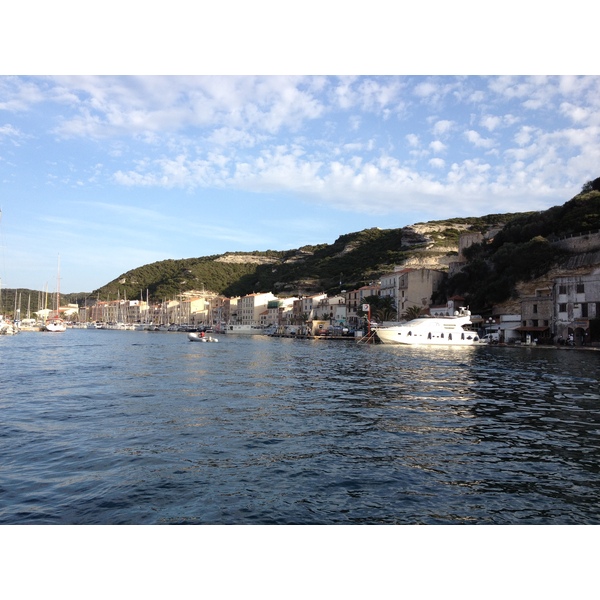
7 328
432 331
200 337
55 325
246 329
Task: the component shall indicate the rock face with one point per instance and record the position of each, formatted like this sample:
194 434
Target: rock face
427 256
430 260
245 259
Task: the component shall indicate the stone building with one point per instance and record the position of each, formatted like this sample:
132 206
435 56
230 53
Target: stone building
537 316
416 286
577 308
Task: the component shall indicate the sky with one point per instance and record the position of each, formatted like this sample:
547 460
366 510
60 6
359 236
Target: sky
106 173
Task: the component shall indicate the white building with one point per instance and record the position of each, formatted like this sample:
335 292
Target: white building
310 306
332 309
251 306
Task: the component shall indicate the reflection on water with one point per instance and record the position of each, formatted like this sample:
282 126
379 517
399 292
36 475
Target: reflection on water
136 427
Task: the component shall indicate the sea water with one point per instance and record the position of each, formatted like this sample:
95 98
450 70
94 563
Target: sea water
123 427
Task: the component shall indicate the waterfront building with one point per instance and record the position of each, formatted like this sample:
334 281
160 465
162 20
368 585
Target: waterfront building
310 305
251 306
577 308
454 304
537 316
332 309
390 285
416 286
508 328
278 312
356 298
230 311
217 304
195 311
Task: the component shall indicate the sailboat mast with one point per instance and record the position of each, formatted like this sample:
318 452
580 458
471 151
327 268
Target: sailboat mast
58 288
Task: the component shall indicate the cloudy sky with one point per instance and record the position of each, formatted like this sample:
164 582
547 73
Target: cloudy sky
113 172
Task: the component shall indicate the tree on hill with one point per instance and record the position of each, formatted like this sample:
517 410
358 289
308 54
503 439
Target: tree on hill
591 186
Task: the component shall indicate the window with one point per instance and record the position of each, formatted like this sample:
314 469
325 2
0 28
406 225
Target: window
580 288
562 308
535 308
534 323
584 309
562 289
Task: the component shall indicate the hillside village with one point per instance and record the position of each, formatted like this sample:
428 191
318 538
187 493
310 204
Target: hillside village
565 302
439 268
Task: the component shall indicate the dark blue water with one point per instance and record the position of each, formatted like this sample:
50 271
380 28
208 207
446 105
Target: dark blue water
110 427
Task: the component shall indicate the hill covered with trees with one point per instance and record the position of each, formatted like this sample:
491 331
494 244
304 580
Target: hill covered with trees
353 260
523 250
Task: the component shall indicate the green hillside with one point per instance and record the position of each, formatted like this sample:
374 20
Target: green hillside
522 251
352 260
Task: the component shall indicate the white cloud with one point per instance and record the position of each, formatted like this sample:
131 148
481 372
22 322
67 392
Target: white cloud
229 136
524 135
10 132
437 146
442 127
427 89
109 105
577 114
490 122
413 140
480 142
437 163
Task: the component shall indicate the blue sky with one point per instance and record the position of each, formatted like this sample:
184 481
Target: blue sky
116 171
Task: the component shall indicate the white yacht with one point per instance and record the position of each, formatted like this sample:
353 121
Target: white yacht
55 325
432 331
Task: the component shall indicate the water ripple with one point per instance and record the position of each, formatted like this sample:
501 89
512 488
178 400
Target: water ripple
133 427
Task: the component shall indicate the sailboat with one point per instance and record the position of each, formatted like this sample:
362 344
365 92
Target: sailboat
6 327
56 324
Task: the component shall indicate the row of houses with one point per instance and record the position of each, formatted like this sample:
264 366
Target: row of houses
209 309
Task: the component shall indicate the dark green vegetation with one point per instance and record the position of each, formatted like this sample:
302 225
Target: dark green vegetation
34 300
521 251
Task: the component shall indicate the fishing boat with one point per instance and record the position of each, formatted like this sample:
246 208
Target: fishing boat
200 337
432 331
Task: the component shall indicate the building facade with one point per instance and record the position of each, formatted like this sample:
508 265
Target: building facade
577 308
416 286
